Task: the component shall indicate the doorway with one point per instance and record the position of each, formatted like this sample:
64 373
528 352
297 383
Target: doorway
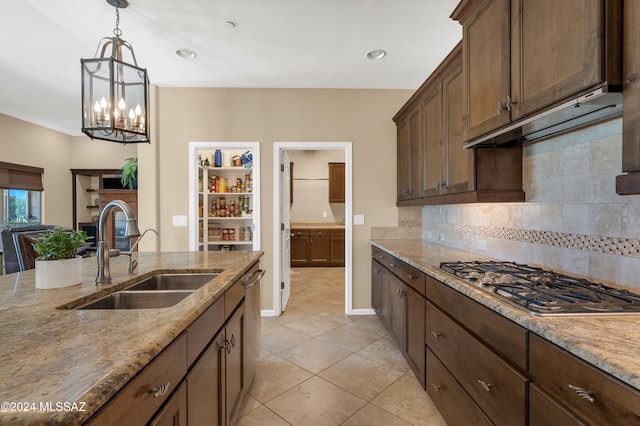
282 230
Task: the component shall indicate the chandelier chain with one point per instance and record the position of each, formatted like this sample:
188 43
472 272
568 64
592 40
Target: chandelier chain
117 31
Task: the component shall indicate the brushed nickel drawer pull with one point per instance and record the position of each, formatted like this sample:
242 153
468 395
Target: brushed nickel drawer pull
436 334
436 387
582 393
486 386
412 277
160 390
393 265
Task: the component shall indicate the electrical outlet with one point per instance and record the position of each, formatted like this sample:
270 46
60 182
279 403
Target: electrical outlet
324 214
180 220
429 235
482 245
441 236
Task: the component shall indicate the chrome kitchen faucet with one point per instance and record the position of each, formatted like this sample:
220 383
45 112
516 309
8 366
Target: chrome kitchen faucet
103 254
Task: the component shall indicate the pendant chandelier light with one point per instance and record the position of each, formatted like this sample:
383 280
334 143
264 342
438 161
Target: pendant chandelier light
115 94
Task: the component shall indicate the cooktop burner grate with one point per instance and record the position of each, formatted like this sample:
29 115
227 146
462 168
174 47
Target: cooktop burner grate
544 292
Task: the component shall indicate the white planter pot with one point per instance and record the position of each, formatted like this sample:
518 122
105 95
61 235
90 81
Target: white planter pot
58 273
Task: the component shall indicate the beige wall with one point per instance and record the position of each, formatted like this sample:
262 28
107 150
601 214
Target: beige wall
32 145
362 117
311 187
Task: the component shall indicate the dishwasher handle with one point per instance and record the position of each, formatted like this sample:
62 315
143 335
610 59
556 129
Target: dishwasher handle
255 278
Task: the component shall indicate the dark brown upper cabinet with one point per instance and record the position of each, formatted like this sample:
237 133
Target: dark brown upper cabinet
522 57
629 183
433 165
336 182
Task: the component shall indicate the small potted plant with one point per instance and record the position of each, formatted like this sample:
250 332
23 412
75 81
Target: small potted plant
130 173
58 264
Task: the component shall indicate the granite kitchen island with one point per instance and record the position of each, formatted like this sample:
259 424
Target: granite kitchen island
60 365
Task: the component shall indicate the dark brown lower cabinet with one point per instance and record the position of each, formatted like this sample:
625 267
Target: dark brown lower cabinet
200 378
454 404
174 412
588 393
498 388
544 411
380 291
398 300
203 385
317 247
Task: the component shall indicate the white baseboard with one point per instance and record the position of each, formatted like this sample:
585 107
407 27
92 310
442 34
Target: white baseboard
367 311
268 313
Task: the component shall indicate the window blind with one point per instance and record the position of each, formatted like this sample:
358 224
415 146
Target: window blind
16 176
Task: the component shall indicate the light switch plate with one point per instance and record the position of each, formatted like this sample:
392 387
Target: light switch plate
358 219
180 220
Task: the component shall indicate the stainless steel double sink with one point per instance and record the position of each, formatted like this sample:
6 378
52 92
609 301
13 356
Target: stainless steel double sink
157 291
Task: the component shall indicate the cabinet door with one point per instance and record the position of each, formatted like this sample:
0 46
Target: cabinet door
174 412
460 176
204 385
397 311
415 329
319 249
410 155
433 142
299 247
337 251
380 292
336 182
234 376
486 61
555 51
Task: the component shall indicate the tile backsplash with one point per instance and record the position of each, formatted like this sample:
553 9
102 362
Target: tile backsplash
572 221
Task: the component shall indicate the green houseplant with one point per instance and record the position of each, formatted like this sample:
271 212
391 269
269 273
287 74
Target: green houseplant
130 173
58 264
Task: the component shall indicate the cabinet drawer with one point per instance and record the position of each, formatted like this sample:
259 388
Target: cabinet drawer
300 232
136 403
200 333
565 378
407 273
544 411
503 335
455 405
319 232
497 387
380 256
337 232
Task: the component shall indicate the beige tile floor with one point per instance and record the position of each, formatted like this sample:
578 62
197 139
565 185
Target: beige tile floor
322 367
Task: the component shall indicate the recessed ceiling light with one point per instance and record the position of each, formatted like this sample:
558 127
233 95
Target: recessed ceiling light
376 54
186 53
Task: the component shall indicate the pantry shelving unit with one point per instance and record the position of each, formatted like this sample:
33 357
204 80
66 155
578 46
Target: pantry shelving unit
224 202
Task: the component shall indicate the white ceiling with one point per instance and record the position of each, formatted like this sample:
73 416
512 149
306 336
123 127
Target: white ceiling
276 44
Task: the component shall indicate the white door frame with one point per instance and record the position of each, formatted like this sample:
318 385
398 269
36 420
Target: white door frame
348 213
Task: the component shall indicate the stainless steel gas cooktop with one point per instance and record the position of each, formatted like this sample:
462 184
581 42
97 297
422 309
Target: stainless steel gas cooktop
544 292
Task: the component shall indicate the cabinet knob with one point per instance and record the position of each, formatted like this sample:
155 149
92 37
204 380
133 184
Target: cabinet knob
484 385
160 390
584 394
435 334
393 265
436 387
411 277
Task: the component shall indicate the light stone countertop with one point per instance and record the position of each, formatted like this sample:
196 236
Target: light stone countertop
610 342
316 225
56 355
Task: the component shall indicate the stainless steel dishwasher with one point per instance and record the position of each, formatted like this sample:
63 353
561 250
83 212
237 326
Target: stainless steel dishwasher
253 334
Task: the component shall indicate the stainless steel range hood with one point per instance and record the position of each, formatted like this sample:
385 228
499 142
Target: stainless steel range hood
587 109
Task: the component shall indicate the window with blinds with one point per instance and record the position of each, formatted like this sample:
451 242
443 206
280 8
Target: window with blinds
21 188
